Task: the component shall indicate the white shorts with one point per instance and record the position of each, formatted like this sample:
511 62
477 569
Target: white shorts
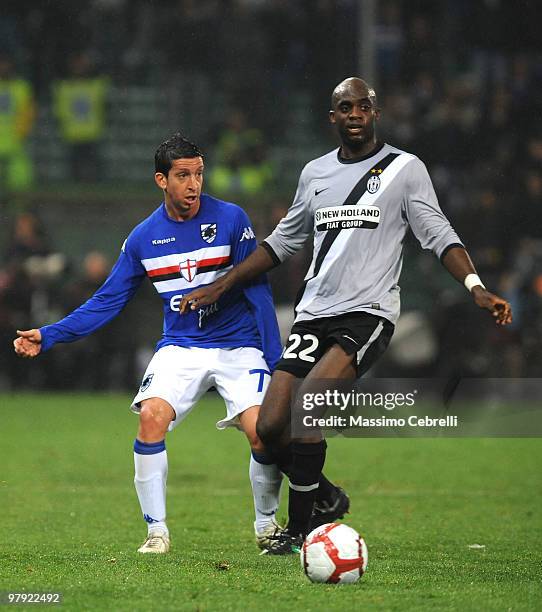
182 375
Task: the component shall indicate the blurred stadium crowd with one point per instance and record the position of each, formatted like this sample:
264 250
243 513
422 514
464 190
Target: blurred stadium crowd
84 106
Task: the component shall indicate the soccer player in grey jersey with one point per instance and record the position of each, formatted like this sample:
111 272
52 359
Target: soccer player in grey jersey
359 201
358 238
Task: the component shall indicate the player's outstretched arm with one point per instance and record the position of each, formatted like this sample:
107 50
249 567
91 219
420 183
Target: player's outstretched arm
28 344
459 265
256 263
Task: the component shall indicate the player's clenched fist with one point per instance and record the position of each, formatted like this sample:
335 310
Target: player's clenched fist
28 344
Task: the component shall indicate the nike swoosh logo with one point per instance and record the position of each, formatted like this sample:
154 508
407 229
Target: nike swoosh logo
319 191
345 336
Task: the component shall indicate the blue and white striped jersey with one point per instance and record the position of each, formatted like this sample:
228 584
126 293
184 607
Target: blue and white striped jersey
179 256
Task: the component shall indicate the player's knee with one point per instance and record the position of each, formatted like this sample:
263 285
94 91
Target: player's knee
267 431
253 439
154 419
255 443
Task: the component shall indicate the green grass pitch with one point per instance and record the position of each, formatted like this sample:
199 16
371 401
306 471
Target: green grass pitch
71 522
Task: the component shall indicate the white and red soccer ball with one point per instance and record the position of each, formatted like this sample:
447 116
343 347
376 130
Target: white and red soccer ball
334 553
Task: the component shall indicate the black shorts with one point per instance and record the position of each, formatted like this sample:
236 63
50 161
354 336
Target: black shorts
360 334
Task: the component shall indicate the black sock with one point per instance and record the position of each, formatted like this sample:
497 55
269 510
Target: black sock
307 464
325 490
283 457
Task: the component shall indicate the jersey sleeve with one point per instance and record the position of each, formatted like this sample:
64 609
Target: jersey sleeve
292 232
423 213
257 292
121 284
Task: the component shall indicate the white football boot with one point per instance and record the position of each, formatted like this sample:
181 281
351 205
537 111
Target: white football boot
157 542
263 538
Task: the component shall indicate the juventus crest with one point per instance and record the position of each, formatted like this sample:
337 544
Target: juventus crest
373 184
208 232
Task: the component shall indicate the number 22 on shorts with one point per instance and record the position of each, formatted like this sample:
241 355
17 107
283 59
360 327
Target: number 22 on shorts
305 353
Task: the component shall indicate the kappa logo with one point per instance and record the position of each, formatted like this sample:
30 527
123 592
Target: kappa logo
159 241
208 232
248 234
373 184
146 382
188 269
148 518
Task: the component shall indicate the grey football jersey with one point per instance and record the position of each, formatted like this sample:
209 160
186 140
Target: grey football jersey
360 213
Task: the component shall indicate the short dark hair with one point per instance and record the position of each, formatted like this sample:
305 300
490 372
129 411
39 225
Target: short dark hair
176 147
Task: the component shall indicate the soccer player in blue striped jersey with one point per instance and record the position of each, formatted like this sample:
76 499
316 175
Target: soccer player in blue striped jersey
190 240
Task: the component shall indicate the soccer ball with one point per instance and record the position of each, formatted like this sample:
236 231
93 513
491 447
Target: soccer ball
334 553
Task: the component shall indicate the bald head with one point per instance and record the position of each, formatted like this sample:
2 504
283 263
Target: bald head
353 87
354 113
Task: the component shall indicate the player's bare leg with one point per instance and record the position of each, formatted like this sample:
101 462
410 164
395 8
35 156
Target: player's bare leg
265 480
309 453
273 426
150 460
335 364
302 460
